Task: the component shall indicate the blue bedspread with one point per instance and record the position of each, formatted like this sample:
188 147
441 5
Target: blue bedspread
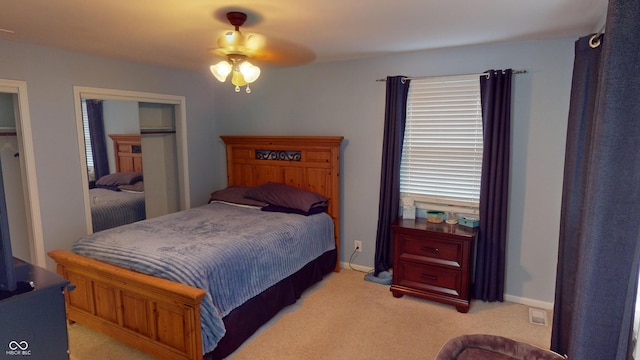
233 253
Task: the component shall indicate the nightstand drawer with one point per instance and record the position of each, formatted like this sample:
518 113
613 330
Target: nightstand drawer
429 278
444 252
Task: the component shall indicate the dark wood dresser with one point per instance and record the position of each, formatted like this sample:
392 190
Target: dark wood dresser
433 261
33 323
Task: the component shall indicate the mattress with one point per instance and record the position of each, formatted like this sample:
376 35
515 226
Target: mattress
233 253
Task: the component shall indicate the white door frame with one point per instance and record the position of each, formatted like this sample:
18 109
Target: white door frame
28 168
81 92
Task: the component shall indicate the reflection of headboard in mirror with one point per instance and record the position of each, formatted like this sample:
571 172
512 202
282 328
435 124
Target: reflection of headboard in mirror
127 152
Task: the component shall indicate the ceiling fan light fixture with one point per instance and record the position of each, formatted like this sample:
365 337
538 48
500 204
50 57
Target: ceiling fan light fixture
221 70
237 80
233 41
234 45
249 71
242 72
229 36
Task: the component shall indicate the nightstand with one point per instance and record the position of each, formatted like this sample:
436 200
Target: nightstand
433 261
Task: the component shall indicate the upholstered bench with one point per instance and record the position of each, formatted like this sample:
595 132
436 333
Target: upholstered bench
492 347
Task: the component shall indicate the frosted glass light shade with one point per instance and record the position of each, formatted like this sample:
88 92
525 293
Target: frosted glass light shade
237 79
249 71
221 70
242 72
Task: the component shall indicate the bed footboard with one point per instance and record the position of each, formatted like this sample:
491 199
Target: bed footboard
157 316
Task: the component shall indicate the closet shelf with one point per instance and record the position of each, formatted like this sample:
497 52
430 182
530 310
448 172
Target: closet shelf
157 130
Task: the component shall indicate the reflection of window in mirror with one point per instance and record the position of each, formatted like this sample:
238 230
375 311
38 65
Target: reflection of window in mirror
87 142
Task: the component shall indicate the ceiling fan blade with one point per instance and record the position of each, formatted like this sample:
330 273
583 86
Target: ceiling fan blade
259 48
242 42
275 52
283 53
254 42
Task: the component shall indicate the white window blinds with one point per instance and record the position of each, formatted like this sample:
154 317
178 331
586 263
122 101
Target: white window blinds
87 136
87 142
442 153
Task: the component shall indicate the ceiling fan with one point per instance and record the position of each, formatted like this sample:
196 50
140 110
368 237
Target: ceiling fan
238 48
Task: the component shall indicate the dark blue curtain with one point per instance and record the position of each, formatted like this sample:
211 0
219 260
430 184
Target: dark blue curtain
98 139
394 120
599 240
495 94
584 90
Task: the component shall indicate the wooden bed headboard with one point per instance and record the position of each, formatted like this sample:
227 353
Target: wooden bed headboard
127 151
307 162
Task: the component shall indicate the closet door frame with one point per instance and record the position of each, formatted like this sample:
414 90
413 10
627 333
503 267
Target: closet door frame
179 102
28 170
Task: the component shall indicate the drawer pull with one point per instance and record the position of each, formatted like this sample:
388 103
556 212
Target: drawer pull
430 249
429 277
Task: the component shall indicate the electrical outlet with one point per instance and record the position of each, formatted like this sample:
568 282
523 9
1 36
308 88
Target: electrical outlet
357 245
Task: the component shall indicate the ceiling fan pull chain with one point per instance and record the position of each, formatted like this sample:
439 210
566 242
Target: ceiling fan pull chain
248 90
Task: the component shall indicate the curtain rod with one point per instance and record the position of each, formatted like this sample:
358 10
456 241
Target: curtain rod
426 77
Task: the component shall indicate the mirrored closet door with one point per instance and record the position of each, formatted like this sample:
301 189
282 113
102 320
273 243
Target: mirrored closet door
145 166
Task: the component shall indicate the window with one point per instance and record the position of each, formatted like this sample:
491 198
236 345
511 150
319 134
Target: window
87 141
442 153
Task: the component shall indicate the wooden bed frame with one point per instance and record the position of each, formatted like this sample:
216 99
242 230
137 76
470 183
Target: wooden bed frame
161 317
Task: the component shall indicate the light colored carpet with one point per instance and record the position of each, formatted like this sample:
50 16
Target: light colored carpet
345 317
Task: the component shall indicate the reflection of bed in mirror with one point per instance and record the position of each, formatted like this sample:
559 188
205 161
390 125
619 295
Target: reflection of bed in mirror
115 208
118 199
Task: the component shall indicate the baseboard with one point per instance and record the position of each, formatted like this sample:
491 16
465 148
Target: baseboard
529 302
511 298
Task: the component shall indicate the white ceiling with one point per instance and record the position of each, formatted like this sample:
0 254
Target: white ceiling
179 33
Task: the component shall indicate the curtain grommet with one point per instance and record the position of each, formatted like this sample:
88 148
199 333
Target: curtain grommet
594 42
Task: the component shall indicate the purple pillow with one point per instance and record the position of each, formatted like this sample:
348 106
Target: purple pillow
112 181
235 195
121 178
286 196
